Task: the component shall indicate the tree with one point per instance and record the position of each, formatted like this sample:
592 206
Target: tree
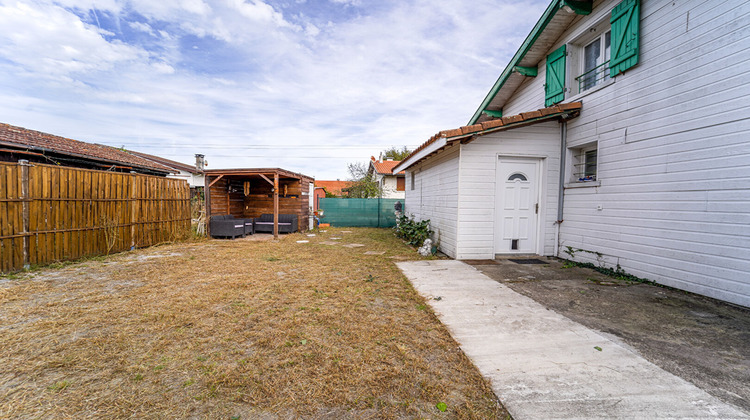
363 183
396 154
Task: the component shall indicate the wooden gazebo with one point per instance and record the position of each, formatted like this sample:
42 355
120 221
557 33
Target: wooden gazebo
250 192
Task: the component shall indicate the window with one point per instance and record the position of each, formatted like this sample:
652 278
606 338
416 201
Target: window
584 163
412 180
595 62
589 164
516 176
400 183
606 49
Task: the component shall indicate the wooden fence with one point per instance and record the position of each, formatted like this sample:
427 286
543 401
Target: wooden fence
50 213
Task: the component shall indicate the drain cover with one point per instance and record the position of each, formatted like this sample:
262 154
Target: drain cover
527 261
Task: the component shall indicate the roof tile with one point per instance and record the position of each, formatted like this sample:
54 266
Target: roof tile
512 119
385 167
333 187
36 140
531 115
471 128
492 124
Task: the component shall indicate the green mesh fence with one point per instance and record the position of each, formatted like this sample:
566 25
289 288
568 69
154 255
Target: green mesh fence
358 212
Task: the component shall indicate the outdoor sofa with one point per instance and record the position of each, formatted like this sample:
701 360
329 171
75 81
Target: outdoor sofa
287 223
228 226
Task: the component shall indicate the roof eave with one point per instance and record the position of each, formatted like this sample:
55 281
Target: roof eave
469 133
413 159
577 7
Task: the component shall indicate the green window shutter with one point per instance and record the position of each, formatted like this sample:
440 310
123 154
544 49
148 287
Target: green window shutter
554 89
625 22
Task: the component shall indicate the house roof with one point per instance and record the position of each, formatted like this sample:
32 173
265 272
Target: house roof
167 162
466 134
36 141
333 187
385 167
551 25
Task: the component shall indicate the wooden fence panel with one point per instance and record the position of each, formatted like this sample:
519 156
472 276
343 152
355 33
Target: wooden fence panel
50 213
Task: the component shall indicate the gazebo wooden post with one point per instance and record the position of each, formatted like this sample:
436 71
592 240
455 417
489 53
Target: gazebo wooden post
276 205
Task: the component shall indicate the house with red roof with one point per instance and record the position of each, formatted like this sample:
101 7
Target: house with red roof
330 188
392 185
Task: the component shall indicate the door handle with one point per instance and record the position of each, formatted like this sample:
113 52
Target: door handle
536 208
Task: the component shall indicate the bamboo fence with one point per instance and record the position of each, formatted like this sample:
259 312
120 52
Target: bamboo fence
50 213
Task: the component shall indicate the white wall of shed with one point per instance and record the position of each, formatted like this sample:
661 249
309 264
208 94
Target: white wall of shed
477 218
435 197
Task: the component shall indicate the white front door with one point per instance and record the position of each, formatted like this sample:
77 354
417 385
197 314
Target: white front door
516 205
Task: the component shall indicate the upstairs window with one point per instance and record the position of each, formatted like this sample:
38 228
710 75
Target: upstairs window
602 51
595 62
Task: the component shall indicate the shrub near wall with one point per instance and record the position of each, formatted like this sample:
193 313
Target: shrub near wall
412 231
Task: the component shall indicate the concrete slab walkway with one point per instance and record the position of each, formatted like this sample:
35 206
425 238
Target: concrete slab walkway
542 365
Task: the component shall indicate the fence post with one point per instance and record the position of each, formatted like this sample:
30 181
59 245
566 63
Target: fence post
380 204
25 205
133 207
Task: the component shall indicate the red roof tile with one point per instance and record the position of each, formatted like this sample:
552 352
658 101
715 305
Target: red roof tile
385 167
333 187
37 141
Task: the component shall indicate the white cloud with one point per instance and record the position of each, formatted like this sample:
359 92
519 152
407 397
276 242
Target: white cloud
349 2
143 27
54 43
389 76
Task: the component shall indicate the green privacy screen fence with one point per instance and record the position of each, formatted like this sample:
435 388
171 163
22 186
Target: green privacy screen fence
359 212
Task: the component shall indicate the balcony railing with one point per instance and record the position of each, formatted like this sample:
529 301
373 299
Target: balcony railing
593 77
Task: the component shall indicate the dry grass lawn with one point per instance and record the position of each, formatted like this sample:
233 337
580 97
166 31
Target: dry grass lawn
233 329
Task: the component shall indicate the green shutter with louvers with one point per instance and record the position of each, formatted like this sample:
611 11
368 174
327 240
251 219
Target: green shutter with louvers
625 22
554 89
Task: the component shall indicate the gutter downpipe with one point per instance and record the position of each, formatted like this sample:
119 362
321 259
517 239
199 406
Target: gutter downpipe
561 191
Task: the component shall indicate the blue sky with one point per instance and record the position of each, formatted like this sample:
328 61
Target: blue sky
304 85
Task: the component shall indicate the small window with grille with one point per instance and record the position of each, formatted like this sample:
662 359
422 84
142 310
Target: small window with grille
584 163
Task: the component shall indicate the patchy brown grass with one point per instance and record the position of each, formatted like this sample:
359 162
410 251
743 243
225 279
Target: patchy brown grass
233 329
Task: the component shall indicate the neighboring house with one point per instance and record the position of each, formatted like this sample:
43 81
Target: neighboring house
336 188
392 185
193 174
18 143
638 157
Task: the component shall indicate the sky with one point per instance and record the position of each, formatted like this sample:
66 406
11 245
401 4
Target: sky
304 85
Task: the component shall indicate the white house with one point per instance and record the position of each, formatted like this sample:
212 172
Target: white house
392 184
618 134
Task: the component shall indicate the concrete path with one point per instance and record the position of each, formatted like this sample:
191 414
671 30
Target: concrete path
542 365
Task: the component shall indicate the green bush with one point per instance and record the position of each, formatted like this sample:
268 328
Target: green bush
412 231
